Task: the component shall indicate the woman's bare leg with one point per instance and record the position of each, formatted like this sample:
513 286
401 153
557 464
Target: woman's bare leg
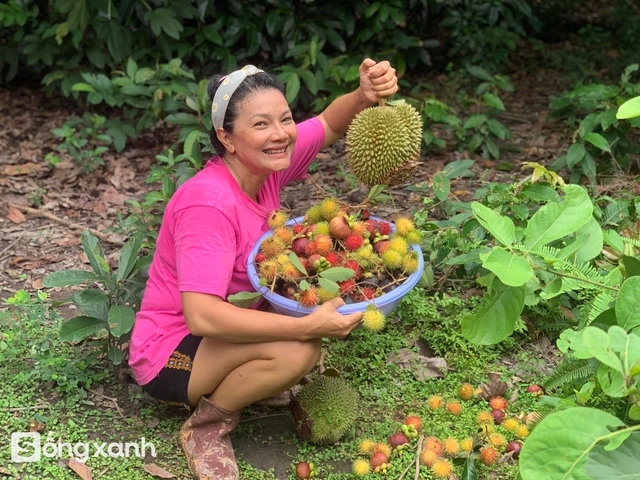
239 374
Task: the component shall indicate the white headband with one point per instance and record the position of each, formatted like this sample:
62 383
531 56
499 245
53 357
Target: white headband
228 85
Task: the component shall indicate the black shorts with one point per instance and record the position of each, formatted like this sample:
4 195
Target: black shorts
170 385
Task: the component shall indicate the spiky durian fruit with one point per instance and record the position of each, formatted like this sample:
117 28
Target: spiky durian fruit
324 410
383 143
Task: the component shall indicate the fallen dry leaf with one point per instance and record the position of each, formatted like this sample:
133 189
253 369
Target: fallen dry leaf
24 169
16 216
82 469
36 426
422 367
156 471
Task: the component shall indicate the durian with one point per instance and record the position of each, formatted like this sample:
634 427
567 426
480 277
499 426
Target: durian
324 410
383 143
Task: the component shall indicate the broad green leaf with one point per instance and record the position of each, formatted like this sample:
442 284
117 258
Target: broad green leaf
629 109
469 470
329 285
540 192
293 87
244 299
474 121
631 266
441 186
556 220
93 302
502 228
622 462
132 69
598 141
557 448
511 268
129 256
293 258
458 168
121 320
493 101
495 319
627 346
611 381
575 154
115 355
337 274
599 345
66 278
592 247
79 328
480 73
95 253
82 87
628 304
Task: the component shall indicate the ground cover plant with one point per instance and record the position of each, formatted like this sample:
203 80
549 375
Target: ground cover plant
520 340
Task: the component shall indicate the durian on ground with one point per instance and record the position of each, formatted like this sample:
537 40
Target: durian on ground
383 143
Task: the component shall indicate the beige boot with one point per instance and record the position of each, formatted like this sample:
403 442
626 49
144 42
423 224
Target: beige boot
204 437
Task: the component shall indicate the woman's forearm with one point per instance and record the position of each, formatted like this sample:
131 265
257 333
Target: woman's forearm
338 115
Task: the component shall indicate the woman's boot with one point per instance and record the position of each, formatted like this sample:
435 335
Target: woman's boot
204 437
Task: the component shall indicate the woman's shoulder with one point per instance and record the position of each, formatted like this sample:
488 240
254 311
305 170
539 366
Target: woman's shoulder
206 187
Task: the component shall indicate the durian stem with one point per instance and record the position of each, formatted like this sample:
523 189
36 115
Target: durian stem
382 101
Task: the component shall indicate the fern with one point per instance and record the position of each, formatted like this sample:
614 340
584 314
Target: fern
568 373
586 277
601 303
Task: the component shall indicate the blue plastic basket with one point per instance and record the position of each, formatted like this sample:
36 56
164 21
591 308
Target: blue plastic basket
386 303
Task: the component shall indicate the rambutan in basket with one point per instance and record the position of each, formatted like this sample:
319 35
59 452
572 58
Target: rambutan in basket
386 303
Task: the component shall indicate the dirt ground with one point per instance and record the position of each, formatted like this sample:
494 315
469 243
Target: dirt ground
63 200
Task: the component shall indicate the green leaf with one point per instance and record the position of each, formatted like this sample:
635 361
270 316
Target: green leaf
293 87
329 285
557 448
593 244
629 109
502 228
480 73
495 319
129 256
79 328
631 266
575 154
93 302
621 463
293 258
337 274
115 355
474 121
511 268
244 299
469 470
556 220
132 69
121 320
611 381
598 343
67 278
441 186
95 253
628 304
82 87
163 19
458 168
493 101
598 141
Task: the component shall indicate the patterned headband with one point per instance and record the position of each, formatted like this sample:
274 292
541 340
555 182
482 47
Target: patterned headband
228 85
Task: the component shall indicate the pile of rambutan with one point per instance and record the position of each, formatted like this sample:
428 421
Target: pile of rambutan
337 251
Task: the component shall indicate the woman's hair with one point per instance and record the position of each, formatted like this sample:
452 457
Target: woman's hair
251 84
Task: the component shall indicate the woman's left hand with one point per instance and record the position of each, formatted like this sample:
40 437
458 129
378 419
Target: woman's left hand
377 80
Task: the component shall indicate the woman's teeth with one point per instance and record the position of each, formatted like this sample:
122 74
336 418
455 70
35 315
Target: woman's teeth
275 152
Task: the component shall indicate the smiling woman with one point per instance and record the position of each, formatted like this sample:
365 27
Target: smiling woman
189 345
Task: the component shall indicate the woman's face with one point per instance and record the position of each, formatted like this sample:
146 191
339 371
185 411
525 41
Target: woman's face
264 133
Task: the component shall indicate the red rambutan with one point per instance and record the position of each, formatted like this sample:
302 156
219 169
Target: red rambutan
309 297
384 228
353 242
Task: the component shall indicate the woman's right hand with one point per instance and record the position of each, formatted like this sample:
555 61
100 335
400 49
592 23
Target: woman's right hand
329 323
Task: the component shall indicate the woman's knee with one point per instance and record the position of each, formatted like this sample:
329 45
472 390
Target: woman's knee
302 356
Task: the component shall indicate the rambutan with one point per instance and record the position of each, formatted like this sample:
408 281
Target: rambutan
496 440
433 443
353 265
435 402
410 263
360 228
310 249
308 297
381 448
466 391
366 445
277 219
353 242
522 431
320 228
329 208
314 214
441 468
272 246
466 445
290 271
373 319
361 467
381 246
404 225
283 234
454 408
384 228
260 257
392 259
367 293
484 417
413 420
298 228
268 270
282 259
428 457
323 244
510 424
414 237
399 244
498 402
326 295
347 287
333 258
451 446
489 455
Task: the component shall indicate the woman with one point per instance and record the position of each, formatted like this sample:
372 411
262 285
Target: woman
189 345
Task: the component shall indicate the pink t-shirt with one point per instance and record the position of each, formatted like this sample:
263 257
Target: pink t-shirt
209 227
